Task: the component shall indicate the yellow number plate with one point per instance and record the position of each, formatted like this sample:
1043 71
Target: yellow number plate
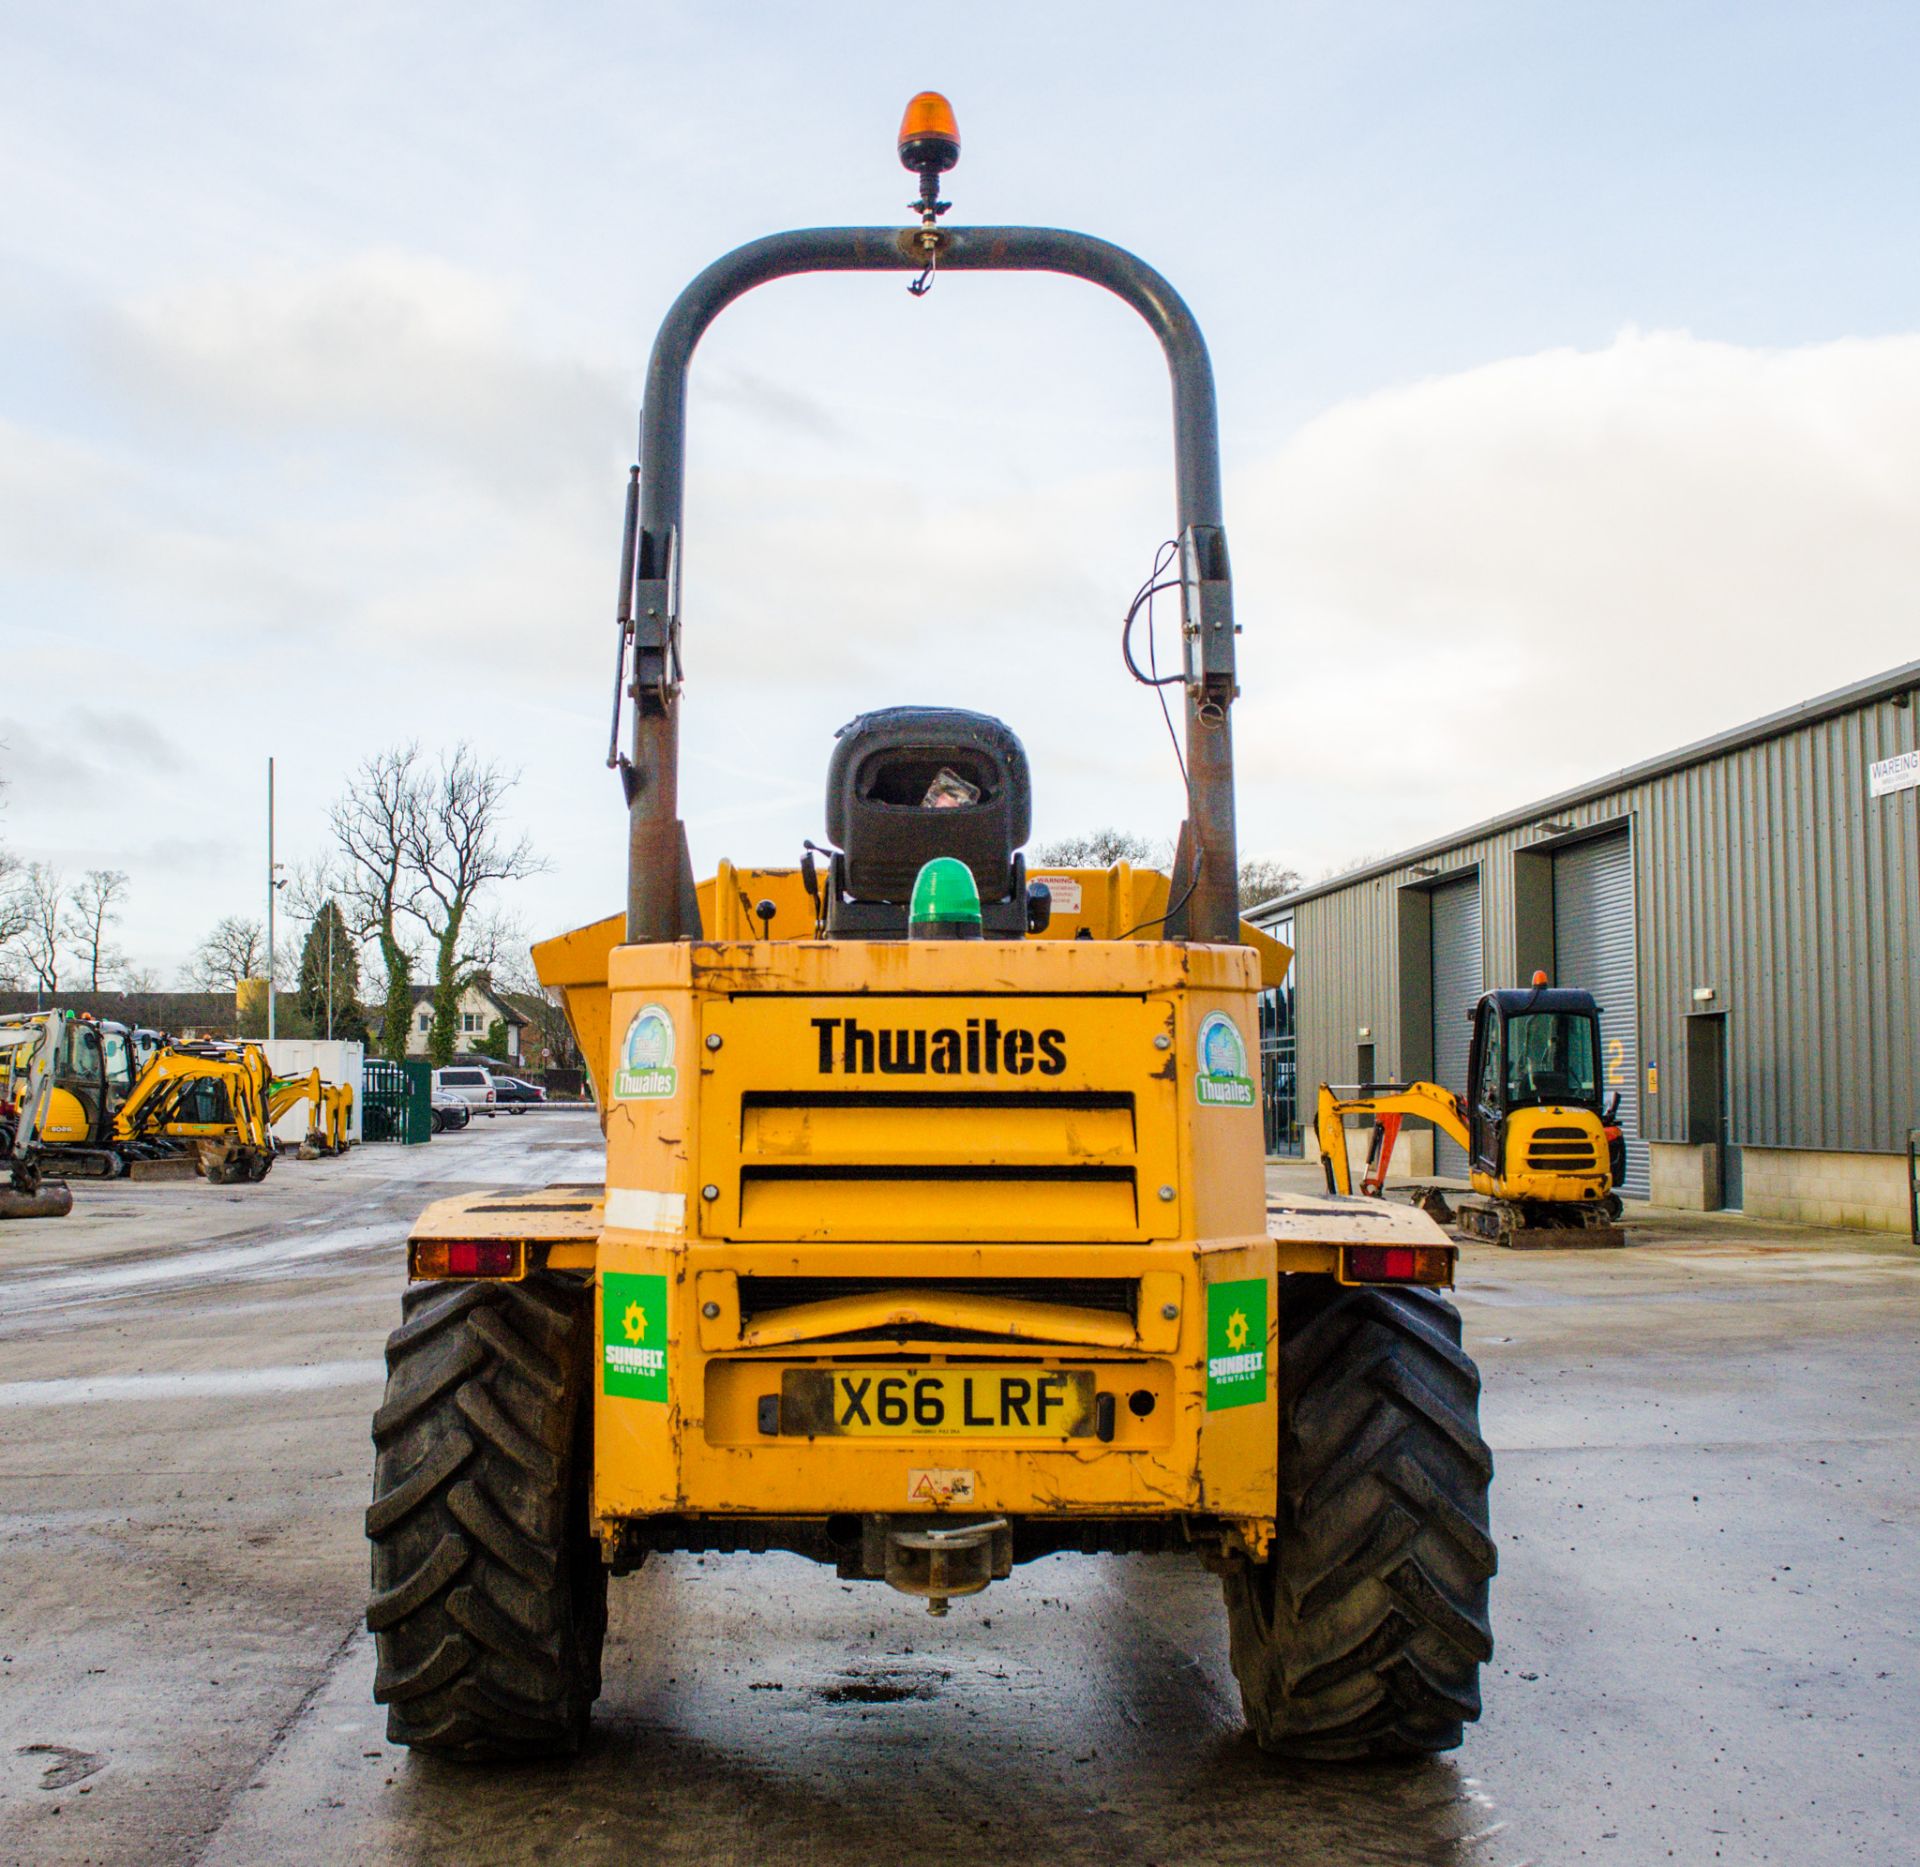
939 1403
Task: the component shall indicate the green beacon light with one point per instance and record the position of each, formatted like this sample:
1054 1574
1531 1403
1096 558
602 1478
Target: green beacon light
946 904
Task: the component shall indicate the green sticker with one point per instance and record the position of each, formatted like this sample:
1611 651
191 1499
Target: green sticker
1222 1081
646 1071
1236 1343
633 1330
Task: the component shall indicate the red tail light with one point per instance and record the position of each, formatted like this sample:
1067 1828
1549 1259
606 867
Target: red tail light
467 1257
1397 1264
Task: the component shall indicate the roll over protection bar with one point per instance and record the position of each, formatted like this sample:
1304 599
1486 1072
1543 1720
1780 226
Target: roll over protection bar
660 890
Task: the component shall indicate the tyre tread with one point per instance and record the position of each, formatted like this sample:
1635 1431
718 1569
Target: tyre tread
1363 1634
488 1602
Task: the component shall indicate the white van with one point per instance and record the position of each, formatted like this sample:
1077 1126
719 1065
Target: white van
469 1083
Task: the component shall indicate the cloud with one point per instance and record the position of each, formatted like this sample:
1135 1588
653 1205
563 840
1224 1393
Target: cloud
386 346
85 753
1475 590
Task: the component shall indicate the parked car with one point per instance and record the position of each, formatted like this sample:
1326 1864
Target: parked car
448 1111
468 1083
510 1089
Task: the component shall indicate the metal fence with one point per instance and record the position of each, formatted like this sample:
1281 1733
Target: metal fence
397 1101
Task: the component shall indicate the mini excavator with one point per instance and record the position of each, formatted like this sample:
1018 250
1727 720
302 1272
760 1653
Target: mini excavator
1543 1155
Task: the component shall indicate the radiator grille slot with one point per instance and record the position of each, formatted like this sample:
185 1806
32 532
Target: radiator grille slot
762 1296
1578 1156
929 1163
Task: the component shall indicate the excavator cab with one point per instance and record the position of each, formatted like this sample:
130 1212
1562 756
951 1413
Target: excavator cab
123 1063
1531 1050
80 1108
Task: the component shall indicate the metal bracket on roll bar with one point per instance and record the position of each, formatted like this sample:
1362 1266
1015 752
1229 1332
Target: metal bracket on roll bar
1207 626
649 625
656 634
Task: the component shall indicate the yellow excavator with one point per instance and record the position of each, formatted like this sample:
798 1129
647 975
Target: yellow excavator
1543 1154
74 1105
216 1096
66 1083
330 1106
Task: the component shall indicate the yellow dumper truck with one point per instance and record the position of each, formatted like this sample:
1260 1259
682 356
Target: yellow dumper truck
935 1234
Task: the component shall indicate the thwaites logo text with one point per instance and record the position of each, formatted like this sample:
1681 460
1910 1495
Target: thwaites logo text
980 1047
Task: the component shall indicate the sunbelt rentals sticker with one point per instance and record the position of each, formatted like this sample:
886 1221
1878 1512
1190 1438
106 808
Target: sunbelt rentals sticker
1236 1343
633 1336
1222 1081
646 1070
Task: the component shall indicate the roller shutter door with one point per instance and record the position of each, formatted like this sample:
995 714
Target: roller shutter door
1457 985
1593 946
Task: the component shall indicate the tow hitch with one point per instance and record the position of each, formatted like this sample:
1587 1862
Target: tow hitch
941 1560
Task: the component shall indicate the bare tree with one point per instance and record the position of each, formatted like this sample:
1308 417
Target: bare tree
92 909
376 823
13 907
457 848
42 899
1265 878
310 885
13 904
235 950
555 1030
1099 849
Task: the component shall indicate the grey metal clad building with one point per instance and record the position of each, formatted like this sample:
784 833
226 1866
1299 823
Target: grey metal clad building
1746 910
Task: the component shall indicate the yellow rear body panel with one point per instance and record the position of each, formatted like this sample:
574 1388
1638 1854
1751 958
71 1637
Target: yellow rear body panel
927 1155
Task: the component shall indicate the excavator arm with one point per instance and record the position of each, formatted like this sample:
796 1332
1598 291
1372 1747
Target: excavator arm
330 1110
1389 1104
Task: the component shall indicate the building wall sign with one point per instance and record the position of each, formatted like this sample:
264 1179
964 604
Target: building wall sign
1899 773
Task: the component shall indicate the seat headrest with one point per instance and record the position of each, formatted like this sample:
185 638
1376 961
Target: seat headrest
890 786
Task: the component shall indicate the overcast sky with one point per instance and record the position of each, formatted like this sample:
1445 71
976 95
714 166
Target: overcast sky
1568 355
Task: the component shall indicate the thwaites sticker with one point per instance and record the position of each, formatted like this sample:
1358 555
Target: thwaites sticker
1236 1343
645 1072
633 1329
1222 1081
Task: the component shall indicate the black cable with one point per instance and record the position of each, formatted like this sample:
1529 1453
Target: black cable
1160 683
1154 920
1144 596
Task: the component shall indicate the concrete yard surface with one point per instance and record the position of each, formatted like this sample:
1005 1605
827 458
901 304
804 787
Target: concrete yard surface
1707 1446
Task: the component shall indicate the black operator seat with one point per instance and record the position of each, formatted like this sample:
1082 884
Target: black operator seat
906 784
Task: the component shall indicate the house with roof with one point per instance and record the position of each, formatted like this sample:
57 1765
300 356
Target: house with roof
480 1007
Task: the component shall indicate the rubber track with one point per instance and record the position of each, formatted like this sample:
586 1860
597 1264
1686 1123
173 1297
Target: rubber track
1364 1635
489 1601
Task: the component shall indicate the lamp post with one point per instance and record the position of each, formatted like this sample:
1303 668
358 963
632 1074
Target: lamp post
274 885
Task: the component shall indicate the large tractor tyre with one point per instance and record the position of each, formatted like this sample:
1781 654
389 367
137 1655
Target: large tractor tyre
1363 1634
489 1603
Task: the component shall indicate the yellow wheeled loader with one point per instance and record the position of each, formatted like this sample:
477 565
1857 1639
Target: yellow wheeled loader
1543 1153
935 1234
